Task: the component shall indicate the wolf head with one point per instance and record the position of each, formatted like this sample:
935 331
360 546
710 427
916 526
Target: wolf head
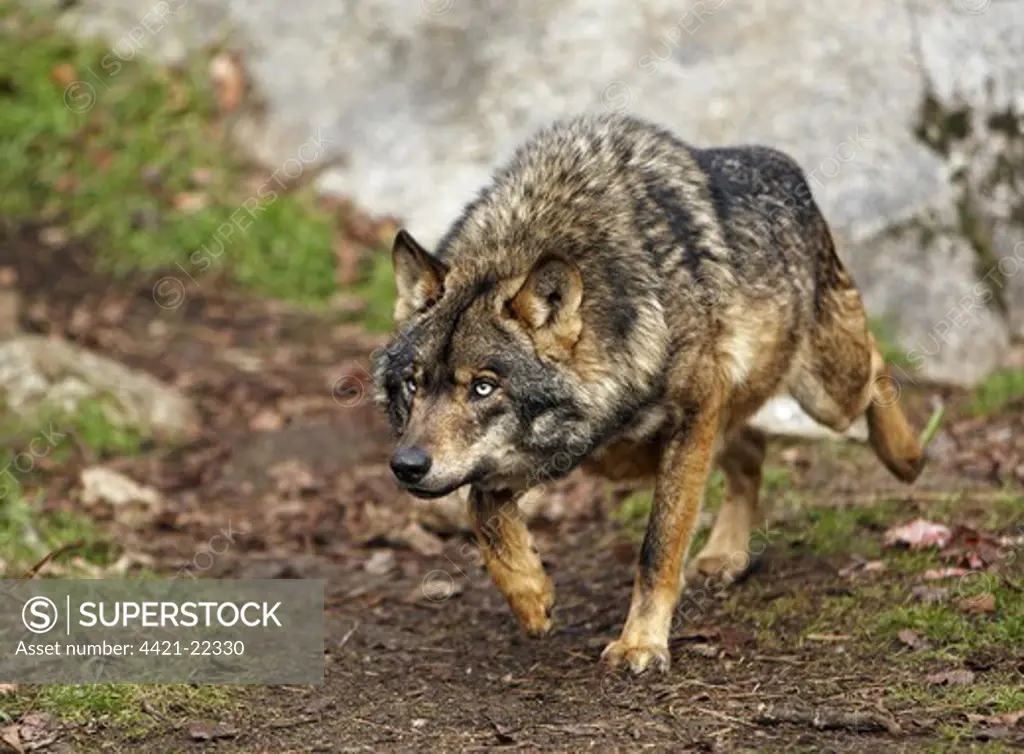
476 383
539 329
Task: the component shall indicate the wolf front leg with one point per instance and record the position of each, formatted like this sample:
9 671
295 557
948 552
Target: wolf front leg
682 475
511 558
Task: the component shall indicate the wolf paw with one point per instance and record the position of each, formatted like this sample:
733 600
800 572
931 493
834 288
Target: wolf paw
639 657
536 626
533 610
721 567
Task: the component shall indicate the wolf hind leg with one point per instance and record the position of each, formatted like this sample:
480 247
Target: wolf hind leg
727 554
511 558
841 374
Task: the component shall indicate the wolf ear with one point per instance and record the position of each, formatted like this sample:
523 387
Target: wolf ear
548 305
418 274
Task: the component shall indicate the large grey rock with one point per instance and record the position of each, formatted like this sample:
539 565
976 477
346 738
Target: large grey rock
412 104
41 374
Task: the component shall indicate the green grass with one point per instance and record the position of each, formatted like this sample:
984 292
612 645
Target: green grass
128 706
832 531
880 605
109 159
998 389
955 633
634 511
28 531
776 480
377 291
29 527
92 428
992 698
960 741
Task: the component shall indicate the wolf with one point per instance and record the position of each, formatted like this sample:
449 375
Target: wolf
619 300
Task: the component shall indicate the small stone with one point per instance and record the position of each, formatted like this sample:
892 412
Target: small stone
979 604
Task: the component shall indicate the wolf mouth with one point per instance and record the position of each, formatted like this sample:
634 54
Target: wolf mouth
426 493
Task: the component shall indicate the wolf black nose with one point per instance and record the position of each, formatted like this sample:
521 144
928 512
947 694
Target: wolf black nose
410 464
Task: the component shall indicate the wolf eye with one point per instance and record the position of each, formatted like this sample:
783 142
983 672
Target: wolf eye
482 388
410 384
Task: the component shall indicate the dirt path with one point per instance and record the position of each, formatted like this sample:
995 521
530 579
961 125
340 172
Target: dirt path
422 652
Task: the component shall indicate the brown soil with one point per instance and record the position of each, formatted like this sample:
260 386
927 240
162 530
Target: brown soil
298 468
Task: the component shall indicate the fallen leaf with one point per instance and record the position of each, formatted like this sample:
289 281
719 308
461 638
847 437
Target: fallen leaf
229 79
935 574
733 638
973 549
211 731
63 74
918 534
420 541
371 520
504 733
190 201
114 488
293 477
266 420
703 650
979 603
381 562
81 320
36 730
11 736
912 639
867 566
951 678
112 312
